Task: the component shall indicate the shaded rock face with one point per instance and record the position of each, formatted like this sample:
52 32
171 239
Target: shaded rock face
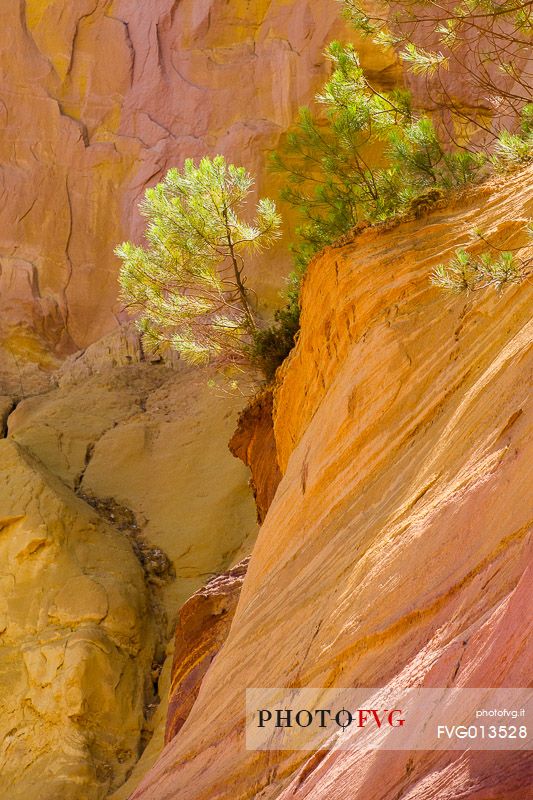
254 443
97 100
203 625
397 549
6 407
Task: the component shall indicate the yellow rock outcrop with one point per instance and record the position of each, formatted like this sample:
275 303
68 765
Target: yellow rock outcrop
76 643
125 463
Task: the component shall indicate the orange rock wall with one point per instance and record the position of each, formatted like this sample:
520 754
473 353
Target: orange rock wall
255 444
97 100
397 549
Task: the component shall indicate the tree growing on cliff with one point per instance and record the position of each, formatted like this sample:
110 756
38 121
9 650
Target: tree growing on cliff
486 264
471 60
364 159
370 155
188 284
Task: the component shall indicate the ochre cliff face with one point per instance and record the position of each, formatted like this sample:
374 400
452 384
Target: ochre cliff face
395 544
97 100
397 549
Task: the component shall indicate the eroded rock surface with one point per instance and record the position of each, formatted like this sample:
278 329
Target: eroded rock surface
140 447
254 443
397 549
154 439
400 425
98 99
77 638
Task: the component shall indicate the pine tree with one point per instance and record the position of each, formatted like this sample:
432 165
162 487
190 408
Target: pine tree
471 271
365 159
188 284
486 42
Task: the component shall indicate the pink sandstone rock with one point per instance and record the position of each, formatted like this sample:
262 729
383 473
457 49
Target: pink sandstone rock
398 545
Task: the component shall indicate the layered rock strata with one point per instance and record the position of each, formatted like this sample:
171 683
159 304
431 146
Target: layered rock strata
397 549
203 625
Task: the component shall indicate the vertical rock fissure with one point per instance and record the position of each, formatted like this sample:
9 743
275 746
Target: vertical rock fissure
6 409
158 571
